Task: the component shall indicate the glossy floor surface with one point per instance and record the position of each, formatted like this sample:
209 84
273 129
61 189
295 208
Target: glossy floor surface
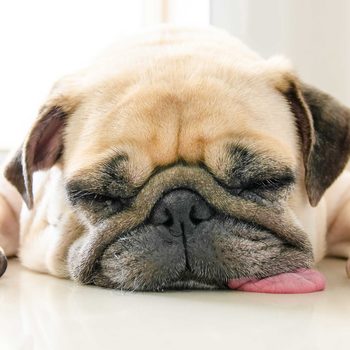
42 312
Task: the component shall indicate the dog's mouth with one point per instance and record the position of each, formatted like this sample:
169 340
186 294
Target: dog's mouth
297 282
143 261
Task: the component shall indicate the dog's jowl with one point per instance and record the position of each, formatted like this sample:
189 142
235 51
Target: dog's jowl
181 159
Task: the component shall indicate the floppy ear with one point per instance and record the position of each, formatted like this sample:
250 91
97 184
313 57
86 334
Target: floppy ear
41 148
324 128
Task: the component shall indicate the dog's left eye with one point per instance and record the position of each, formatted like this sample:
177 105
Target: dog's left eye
270 184
267 188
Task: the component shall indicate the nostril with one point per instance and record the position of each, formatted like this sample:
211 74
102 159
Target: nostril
169 221
197 215
193 218
161 216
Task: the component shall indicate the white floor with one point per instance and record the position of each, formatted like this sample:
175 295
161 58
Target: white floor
43 312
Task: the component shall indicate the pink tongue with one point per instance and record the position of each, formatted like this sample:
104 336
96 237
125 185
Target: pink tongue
301 281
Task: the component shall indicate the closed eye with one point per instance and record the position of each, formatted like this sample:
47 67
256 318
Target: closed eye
271 184
97 201
271 188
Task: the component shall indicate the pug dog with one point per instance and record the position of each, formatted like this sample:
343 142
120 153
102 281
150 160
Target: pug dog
181 159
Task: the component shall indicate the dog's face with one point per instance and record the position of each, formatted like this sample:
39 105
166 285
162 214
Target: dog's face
184 176
185 187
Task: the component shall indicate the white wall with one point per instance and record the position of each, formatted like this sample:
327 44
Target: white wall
42 40
314 34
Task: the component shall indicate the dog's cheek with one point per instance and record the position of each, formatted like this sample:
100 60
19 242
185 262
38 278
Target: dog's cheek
243 257
141 260
249 258
241 250
224 248
74 258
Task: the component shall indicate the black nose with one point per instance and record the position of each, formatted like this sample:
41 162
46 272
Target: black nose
181 211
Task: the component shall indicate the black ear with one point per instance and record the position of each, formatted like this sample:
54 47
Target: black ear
40 150
324 128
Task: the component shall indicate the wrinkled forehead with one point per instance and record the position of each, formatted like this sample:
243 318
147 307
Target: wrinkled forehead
194 122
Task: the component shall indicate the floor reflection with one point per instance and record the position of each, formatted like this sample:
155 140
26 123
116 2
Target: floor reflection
43 312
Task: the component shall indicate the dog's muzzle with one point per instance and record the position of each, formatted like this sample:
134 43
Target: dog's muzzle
185 231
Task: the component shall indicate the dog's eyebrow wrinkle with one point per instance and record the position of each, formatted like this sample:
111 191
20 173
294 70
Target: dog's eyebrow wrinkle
114 166
108 178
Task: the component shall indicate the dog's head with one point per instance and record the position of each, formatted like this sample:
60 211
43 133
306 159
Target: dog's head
186 168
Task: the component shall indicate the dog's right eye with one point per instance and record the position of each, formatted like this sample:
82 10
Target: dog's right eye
97 202
105 202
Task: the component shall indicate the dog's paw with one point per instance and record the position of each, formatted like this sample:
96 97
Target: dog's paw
3 262
8 233
9 228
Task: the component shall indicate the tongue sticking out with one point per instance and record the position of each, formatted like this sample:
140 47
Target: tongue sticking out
300 281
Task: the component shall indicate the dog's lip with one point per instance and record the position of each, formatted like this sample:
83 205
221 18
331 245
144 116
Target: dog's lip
188 280
191 284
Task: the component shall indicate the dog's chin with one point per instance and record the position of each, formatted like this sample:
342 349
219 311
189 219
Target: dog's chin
188 280
191 284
